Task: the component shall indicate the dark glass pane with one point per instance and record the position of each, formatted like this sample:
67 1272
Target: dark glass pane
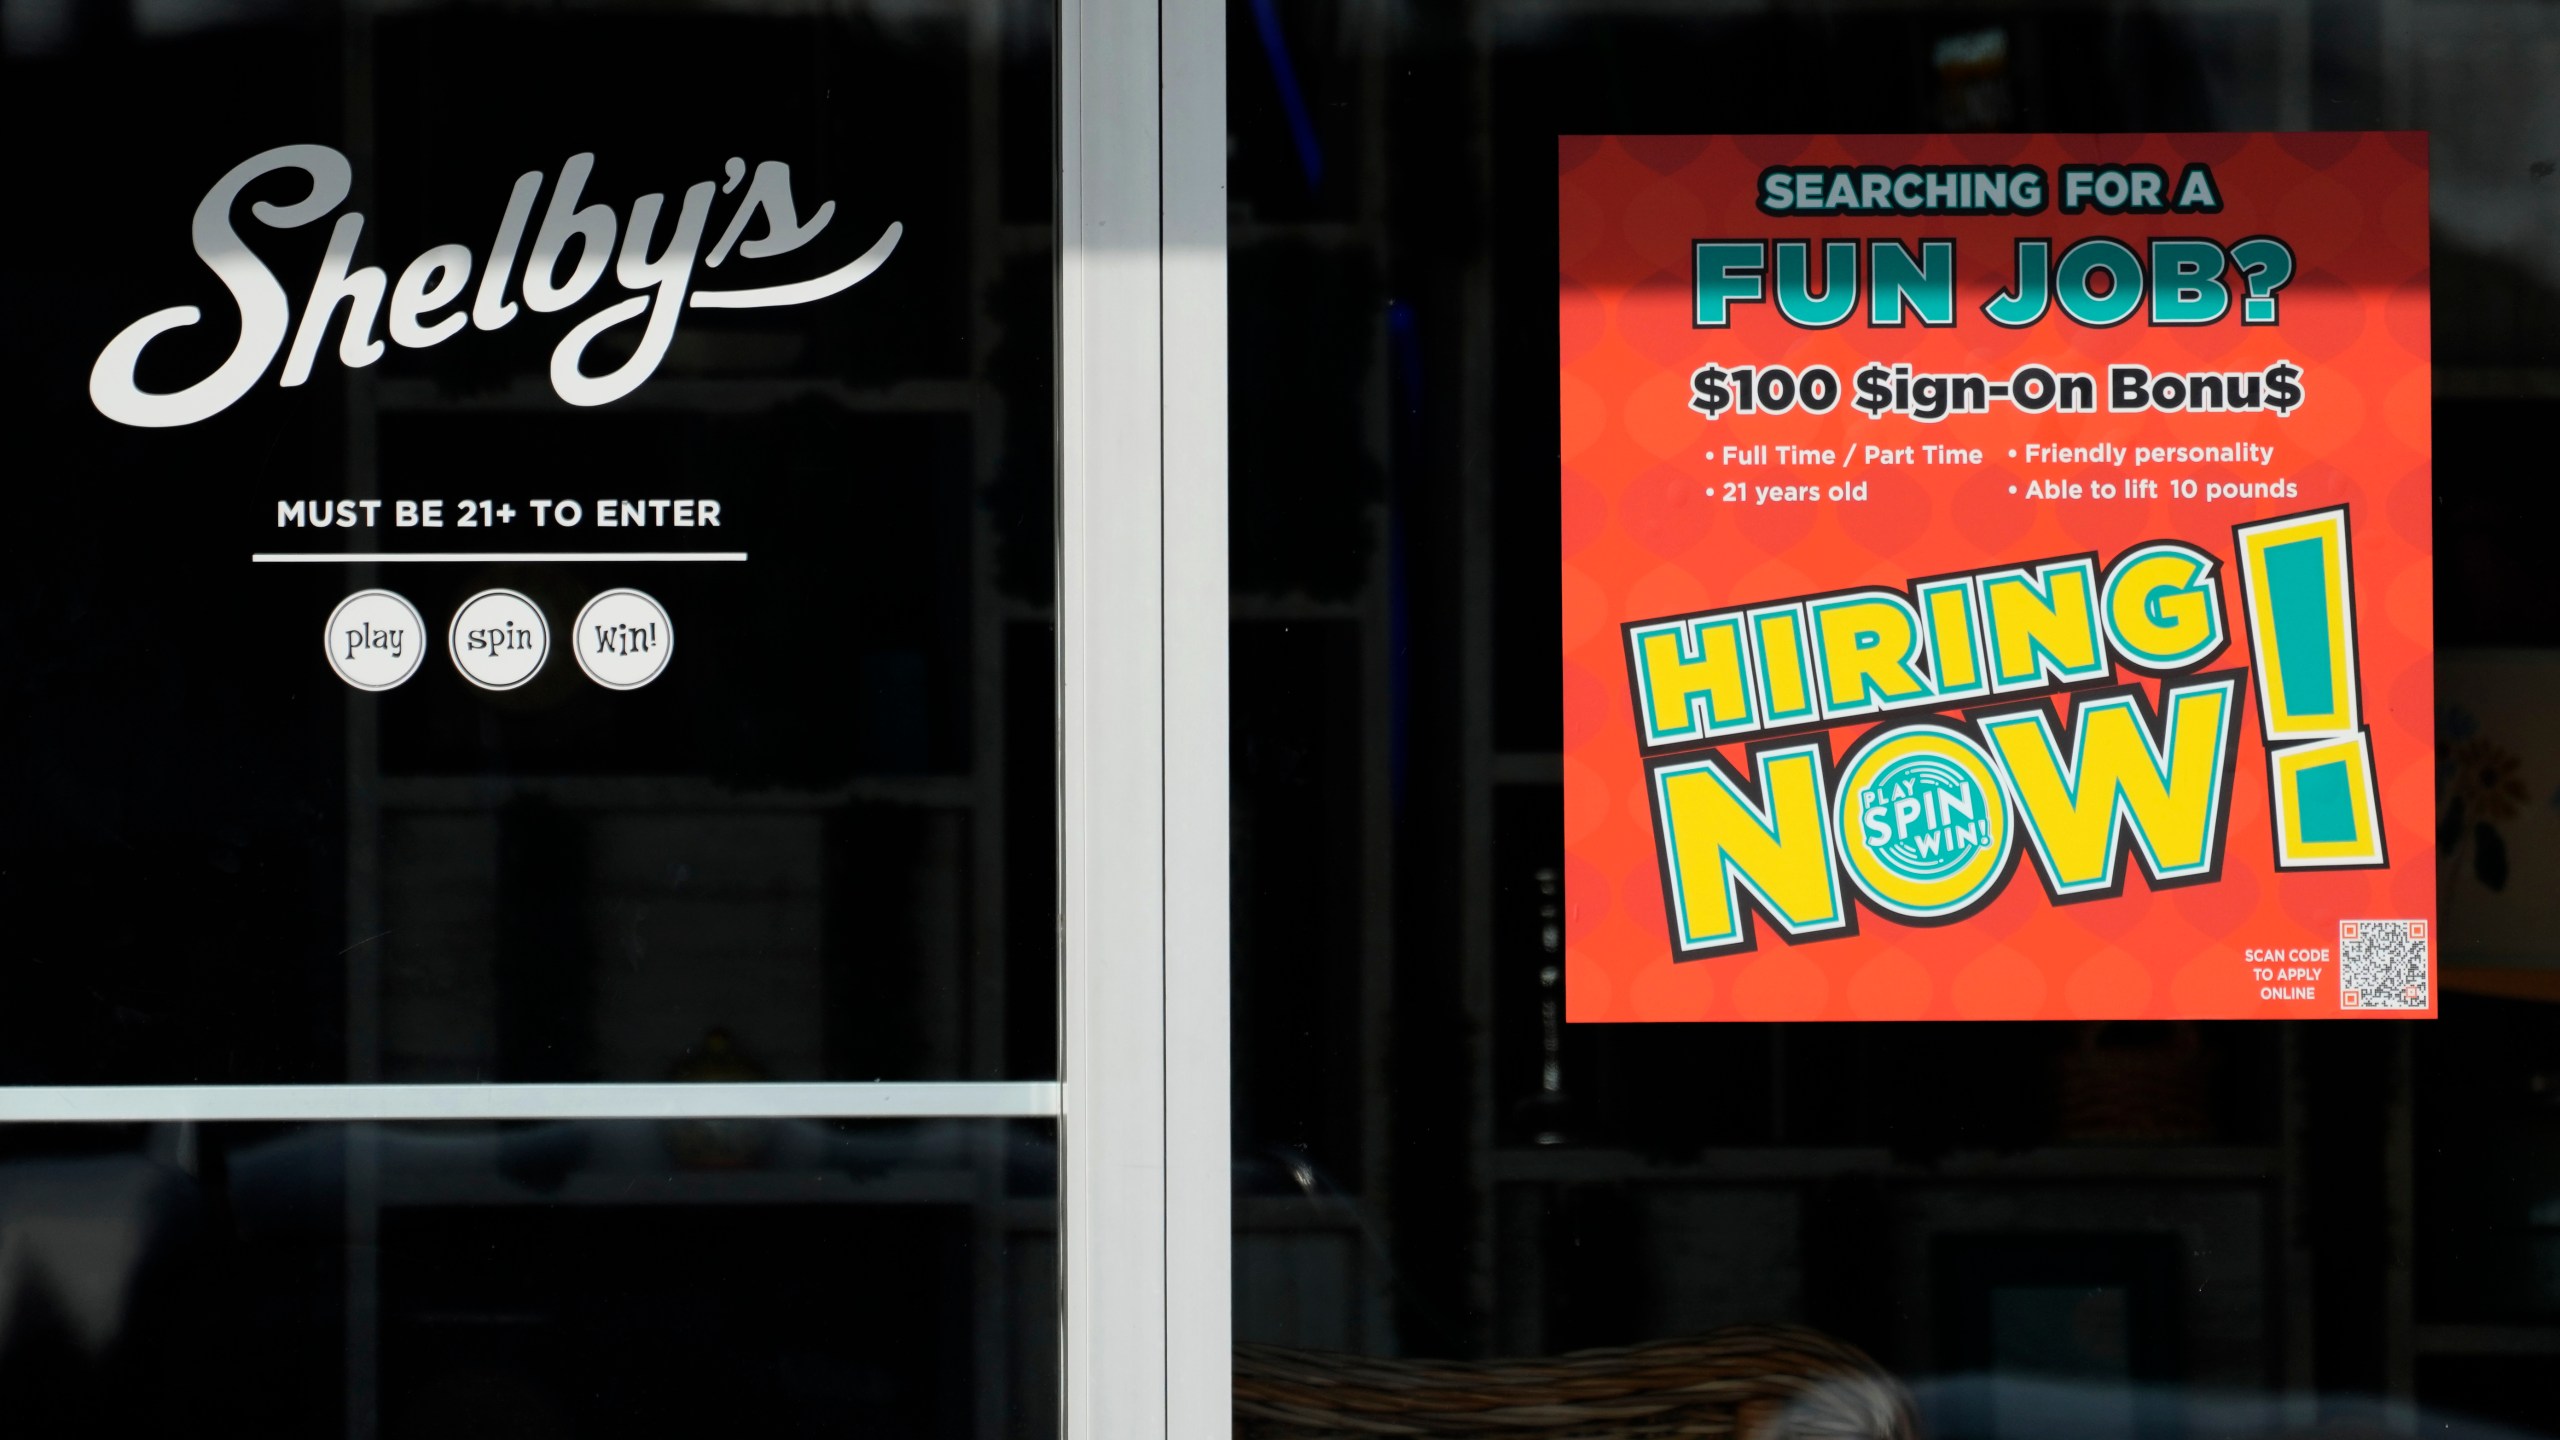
765 1277
818 838
2223 1228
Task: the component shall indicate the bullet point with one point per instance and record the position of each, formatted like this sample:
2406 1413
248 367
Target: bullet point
2013 453
2013 489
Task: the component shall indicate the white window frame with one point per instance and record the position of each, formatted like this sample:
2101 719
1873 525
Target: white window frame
1141 1102
1143 725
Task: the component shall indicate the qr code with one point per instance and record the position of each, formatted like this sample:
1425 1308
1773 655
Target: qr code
2382 965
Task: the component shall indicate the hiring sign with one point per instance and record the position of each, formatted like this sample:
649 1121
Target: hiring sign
1996 577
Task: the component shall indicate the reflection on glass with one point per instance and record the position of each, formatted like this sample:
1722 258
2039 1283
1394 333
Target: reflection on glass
2040 1230
826 826
557 1279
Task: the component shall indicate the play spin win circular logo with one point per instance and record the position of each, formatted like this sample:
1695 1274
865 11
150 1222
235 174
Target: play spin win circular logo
1928 815
1924 826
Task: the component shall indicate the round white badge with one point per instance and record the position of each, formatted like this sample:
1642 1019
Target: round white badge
375 639
622 639
498 639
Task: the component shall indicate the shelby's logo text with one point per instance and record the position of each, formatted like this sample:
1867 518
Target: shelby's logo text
416 308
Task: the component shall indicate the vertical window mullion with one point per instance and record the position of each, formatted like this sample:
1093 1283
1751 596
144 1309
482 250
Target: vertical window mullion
1111 721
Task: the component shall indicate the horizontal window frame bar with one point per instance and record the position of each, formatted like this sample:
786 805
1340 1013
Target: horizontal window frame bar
819 1100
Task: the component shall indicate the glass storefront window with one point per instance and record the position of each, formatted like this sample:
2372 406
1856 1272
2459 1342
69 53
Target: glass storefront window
1077 939
1447 1196
534 850
812 835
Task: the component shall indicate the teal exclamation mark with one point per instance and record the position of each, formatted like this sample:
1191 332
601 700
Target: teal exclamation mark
2298 578
2298 592
2323 795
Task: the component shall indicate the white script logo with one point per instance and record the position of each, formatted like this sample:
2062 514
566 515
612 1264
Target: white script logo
436 279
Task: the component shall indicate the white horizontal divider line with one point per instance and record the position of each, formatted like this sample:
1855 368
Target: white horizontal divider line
450 557
847 1100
